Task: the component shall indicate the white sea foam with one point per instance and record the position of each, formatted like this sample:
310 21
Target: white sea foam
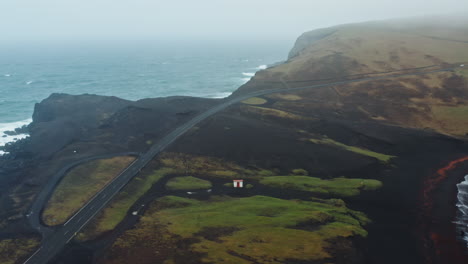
462 215
7 75
220 95
262 67
249 74
29 82
4 138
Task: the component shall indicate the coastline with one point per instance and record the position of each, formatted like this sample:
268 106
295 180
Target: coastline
6 138
246 76
442 243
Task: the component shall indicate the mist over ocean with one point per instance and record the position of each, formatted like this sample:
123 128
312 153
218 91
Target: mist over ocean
30 74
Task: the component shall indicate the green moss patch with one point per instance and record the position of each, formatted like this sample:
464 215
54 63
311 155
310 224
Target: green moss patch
118 208
266 173
14 250
168 163
187 183
270 112
203 165
341 187
328 141
287 97
80 185
256 229
254 101
301 172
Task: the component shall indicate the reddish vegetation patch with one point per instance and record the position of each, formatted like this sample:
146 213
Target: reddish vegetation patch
433 240
431 183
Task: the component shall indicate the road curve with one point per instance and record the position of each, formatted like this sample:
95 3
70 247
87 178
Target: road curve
41 199
54 239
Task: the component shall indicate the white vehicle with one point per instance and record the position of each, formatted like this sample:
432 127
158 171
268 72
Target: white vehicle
462 65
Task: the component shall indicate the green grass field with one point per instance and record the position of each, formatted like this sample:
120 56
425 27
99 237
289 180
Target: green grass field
330 142
187 183
118 208
173 164
341 187
259 228
170 163
80 185
254 101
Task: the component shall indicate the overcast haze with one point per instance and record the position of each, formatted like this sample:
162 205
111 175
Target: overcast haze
41 20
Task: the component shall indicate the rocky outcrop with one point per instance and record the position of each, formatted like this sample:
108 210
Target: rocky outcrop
309 38
62 119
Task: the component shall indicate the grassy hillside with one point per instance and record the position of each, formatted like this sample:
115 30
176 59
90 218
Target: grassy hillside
381 46
385 48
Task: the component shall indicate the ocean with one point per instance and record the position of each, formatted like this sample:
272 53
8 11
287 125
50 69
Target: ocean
29 73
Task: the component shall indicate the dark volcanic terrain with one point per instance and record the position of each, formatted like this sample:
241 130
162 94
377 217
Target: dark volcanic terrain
353 173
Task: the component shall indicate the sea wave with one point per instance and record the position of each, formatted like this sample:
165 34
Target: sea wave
262 67
249 74
4 138
244 80
7 75
220 95
462 214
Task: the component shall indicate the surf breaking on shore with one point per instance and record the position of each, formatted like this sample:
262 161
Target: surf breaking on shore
5 137
432 240
462 214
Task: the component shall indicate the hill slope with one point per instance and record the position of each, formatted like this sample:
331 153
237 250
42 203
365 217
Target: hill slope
437 101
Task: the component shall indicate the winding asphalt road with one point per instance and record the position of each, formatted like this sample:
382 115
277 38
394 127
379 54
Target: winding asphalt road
54 239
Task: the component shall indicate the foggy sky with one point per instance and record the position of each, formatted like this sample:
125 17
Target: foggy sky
53 20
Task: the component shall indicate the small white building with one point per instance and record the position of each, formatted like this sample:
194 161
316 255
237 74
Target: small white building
238 183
